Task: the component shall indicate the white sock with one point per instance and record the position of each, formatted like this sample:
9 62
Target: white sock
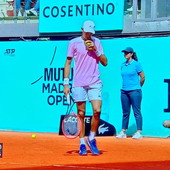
82 141
92 135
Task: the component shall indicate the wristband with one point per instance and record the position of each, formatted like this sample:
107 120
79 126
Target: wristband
66 81
98 53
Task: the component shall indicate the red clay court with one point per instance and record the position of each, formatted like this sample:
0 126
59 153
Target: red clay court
50 151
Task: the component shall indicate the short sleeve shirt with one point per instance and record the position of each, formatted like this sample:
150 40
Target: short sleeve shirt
130 75
86 71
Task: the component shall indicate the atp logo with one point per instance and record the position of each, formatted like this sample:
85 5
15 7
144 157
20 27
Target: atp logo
10 52
103 129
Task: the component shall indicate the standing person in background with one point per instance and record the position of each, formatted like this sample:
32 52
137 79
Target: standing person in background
131 94
20 11
87 53
35 10
26 9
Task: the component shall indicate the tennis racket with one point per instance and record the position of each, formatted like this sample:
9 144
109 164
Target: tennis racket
71 124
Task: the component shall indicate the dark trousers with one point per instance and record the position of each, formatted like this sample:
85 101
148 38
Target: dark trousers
131 98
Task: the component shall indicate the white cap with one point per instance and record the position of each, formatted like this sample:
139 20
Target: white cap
89 26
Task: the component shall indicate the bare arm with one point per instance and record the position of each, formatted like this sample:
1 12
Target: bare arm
142 78
67 67
103 60
66 75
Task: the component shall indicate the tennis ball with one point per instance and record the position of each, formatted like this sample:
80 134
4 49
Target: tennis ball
90 48
33 136
88 43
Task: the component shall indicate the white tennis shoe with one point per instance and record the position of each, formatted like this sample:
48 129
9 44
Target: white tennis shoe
137 135
121 135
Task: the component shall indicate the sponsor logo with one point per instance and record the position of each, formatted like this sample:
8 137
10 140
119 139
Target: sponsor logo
9 52
79 10
103 129
52 83
71 119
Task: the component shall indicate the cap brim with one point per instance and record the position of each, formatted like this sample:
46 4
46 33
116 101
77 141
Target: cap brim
89 30
124 51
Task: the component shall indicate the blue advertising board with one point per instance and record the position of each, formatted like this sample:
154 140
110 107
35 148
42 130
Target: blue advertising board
68 16
31 90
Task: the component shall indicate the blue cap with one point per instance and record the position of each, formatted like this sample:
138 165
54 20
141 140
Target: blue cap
128 49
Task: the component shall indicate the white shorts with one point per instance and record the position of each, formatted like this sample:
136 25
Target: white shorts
92 92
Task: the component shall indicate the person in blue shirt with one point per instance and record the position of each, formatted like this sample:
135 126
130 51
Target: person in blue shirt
131 94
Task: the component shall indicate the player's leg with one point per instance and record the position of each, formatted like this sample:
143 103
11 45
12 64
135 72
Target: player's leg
79 96
96 106
95 96
81 114
91 141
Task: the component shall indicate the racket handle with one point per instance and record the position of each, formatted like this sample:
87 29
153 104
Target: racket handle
68 99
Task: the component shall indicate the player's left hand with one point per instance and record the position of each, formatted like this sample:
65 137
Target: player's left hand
90 45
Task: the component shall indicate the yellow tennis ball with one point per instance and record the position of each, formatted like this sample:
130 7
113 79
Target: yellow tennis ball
33 136
88 43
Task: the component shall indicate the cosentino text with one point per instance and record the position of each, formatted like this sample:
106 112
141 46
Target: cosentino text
79 10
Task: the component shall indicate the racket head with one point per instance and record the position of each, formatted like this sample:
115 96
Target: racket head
71 126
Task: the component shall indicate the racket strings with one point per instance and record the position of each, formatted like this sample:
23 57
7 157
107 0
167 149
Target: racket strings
71 125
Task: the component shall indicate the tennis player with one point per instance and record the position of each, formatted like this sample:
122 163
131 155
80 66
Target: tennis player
87 53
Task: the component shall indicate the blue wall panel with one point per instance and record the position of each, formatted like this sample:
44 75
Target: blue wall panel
31 74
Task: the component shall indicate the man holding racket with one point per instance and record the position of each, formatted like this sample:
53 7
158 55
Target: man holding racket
87 53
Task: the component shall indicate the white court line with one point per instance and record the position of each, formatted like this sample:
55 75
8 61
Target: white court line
84 167
61 166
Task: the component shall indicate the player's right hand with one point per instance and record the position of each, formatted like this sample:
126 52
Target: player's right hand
66 90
